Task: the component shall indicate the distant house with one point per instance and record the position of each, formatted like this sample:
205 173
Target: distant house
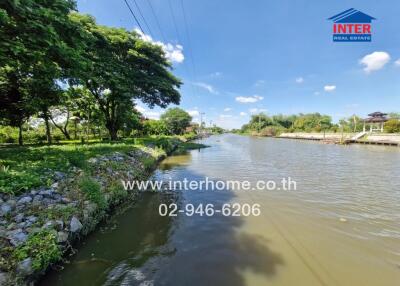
193 127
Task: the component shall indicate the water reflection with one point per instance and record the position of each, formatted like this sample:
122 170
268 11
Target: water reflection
127 239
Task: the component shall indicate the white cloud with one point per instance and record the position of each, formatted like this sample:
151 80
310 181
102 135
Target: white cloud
227 109
141 109
397 63
230 122
329 88
173 53
216 74
243 113
249 99
299 80
35 122
152 114
259 83
352 106
148 113
375 61
193 113
257 110
206 86
225 116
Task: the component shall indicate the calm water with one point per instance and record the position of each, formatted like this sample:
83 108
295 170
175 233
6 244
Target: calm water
340 227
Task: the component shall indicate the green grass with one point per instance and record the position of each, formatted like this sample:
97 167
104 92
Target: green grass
92 191
41 247
24 168
192 146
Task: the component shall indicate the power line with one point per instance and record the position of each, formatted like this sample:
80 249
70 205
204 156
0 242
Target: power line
180 41
144 20
157 22
133 14
189 41
173 20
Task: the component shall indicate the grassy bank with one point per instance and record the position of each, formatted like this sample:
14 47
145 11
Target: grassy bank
50 196
23 168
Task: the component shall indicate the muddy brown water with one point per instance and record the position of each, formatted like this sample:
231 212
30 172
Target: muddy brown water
340 227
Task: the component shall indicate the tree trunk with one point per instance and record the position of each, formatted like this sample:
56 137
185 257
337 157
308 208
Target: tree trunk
66 134
112 131
64 130
46 120
20 139
113 134
75 129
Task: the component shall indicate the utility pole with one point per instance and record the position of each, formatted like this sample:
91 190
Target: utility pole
201 122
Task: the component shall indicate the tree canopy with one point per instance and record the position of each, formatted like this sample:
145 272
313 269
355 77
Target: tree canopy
176 120
50 56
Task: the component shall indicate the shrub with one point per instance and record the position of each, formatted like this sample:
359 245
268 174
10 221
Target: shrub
392 126
270 131
92 191
148 162
118 191
41 247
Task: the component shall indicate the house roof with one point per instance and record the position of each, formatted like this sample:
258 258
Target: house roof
352 16
377 114
376 117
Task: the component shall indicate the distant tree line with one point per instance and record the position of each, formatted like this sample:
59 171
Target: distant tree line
63 68
266 125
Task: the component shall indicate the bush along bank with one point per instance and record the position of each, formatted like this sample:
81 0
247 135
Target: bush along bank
38 226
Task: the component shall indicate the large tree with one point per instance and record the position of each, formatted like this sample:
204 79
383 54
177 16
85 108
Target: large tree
39 45
176 120
124 68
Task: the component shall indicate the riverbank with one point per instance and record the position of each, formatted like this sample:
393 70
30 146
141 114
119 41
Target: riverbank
52 196
358 220
375 138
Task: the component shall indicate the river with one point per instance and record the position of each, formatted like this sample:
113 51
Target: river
341 226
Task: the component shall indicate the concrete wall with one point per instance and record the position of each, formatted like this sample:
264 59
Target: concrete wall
384 137
369 137
317 135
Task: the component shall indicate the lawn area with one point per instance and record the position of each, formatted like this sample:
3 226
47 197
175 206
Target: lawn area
23 168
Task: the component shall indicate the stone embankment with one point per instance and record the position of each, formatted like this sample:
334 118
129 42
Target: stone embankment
40 225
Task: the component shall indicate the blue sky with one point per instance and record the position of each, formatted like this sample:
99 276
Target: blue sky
276 56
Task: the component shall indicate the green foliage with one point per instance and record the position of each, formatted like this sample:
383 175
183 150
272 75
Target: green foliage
392 126
118 191
270 126
176 120
41 247
191 146
155 127
92 191
312 122
124 67
148 162
60 212
216 130
351 124
188 136
39 45
29 167
55 62
271 131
